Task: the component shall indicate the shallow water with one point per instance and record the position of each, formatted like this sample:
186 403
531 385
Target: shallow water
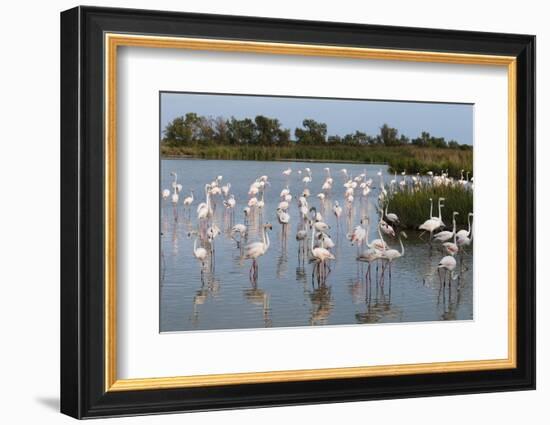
286 293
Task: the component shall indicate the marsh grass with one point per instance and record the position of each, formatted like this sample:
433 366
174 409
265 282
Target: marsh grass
412 159
413 208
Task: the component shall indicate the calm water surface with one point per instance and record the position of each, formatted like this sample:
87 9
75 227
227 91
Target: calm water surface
285 293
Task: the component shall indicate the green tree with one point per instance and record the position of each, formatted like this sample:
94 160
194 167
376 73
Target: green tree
313 133
423 140
241 132
269 132
221 131
389 135
183 130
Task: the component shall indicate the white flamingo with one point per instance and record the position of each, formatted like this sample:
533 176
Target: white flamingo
464 233
230 203
256 249
326 241
391 254
199 253
241 230
204 209
378 244
225 189
282 216
448 263
391 217
187 201
359 234
446 235
319 254
386 228
337 210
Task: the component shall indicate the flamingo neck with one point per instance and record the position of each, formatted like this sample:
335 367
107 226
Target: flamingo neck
439 202
454 230
402 246
312 236
431 208
381 237
266 239
469 225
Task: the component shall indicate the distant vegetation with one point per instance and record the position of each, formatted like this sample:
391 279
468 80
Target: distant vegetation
264 138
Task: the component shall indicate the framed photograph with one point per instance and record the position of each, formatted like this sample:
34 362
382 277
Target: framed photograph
261 212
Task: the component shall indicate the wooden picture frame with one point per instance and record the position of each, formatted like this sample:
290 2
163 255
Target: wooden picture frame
90 38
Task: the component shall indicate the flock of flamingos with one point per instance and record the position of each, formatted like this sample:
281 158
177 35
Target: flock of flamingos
313 235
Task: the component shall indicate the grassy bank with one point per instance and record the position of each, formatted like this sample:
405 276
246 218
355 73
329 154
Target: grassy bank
413 159
413 208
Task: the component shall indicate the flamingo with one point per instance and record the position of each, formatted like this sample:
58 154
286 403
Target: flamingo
189 199
449 264
446 235
439 220
358 235
175 182
256 250
212 233
283 205
204 209
321 226
433 223
225 189
327 186
326 241
165 194
230 203
369 255
329 179
175 197
239 229
378 244
283 216
199 253
253 202
301 236
386 228
464 233
391 217
260 204
391 254
337 210
307 179
287 172
319 254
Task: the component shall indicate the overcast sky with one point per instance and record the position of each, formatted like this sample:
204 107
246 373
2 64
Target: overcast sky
452 121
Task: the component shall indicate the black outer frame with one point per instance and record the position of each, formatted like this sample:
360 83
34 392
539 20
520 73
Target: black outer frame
82 203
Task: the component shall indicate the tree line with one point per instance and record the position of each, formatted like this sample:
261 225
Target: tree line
193 129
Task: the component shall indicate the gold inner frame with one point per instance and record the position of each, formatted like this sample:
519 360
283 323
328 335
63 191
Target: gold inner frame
113 41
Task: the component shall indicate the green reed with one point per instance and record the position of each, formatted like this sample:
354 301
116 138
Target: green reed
411 159
413 207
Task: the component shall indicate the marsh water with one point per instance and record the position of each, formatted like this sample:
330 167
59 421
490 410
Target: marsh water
286 293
